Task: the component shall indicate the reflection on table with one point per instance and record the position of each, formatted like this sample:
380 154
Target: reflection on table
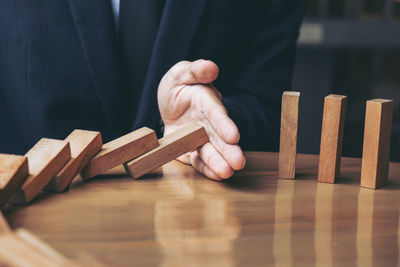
176 217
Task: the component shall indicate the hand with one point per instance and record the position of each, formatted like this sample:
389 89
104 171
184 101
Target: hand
186 95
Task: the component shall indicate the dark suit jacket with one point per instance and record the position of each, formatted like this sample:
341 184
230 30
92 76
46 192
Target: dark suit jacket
58 67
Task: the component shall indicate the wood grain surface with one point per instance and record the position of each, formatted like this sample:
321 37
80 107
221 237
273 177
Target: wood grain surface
84 146
38 246
376 147
171 146
13 173
14 252
331 138
176 216
121 150
45 159
288 137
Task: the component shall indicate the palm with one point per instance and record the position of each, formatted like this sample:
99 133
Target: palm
178 113
186 95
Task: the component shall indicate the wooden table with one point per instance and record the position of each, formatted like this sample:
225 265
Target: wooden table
178 217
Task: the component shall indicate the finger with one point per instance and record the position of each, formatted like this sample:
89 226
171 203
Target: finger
233 154
185 158
187 73
218 93
210 105
181 75
201 167
215 161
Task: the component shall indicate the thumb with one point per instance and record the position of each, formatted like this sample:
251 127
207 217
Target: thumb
187 73
204 71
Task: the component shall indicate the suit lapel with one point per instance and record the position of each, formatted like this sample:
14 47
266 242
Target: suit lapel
94 23
176 32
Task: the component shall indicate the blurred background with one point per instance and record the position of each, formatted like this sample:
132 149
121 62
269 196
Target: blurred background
349 47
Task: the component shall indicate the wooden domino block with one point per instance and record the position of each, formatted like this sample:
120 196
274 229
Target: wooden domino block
15 251
40 247
4 227
288 140
45 159
13 172
121 150
171 146
331 138
85 259
376 148
22 248
84 146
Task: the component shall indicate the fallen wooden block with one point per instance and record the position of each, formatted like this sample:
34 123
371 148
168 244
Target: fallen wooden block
84 259
331 138
288 140
171 146
121 150
4 227
45 159
376 147
24 249
38 246
13 252
84 146
13 173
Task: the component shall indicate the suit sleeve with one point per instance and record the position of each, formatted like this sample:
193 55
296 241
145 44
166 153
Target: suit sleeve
266 73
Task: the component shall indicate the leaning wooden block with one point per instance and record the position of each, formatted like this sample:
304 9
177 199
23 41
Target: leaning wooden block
84 146
45 159
288 140
13 172
121 150
331 138
376 148
171 146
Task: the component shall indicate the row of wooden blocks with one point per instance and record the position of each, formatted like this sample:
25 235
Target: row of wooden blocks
52 164
376 146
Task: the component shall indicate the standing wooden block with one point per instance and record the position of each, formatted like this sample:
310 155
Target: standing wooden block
84 146
45 159
13 172
183 140
289 129
376 148
331 138
121 150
